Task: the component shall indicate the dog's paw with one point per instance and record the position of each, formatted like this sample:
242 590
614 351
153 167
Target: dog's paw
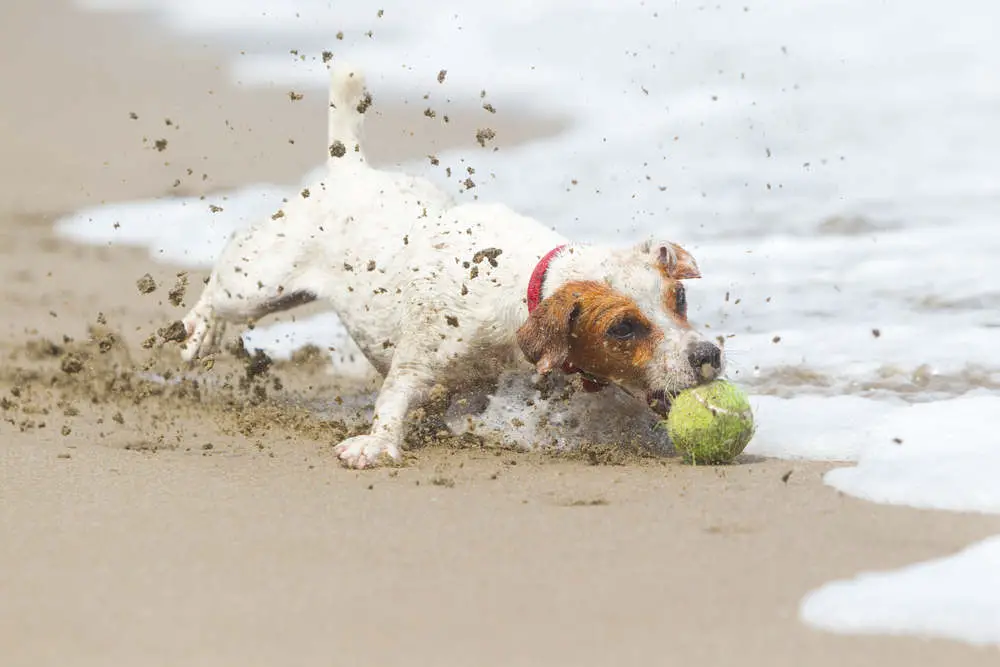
367 451
203 335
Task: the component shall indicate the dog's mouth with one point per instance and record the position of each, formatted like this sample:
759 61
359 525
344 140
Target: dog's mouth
659 401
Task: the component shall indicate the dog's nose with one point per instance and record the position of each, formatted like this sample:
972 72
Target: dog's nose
705 358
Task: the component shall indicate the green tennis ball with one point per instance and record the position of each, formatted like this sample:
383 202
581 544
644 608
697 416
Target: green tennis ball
711 423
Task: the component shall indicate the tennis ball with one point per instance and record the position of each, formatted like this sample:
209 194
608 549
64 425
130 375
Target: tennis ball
711 423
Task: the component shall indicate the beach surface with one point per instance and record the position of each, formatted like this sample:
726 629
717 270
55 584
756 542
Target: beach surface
165 524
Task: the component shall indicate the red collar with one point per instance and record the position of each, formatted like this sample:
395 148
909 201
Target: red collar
590 383
538 278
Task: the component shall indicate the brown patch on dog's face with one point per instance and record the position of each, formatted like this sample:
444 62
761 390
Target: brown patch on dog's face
594 328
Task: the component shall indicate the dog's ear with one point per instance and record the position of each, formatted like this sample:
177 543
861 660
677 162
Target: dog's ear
545 337
674 261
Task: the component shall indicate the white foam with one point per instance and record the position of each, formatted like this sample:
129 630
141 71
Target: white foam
179 230
939 455
835 428
957 597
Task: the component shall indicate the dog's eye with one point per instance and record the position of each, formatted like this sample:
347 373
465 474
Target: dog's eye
680 300
624 330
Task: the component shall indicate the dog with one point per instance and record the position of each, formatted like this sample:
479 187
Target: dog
439 295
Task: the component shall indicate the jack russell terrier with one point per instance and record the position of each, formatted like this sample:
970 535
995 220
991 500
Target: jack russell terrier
438 294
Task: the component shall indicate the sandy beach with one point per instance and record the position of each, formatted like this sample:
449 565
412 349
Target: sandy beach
210 524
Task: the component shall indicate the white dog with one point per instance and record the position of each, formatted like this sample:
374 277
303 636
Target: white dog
438 294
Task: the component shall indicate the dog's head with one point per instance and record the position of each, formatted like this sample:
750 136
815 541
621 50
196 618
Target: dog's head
621 316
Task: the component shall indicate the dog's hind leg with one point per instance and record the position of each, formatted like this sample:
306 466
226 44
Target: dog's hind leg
274 266
260 272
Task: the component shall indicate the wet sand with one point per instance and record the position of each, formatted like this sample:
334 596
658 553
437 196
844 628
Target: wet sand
209 523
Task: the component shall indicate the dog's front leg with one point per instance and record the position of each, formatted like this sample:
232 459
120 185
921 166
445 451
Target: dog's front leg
406 385
433 334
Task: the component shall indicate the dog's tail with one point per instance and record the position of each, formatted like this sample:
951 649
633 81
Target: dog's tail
349 101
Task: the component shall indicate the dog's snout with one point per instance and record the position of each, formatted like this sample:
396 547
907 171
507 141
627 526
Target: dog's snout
705 358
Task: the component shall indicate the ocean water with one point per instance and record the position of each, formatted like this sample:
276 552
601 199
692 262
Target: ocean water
832 165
